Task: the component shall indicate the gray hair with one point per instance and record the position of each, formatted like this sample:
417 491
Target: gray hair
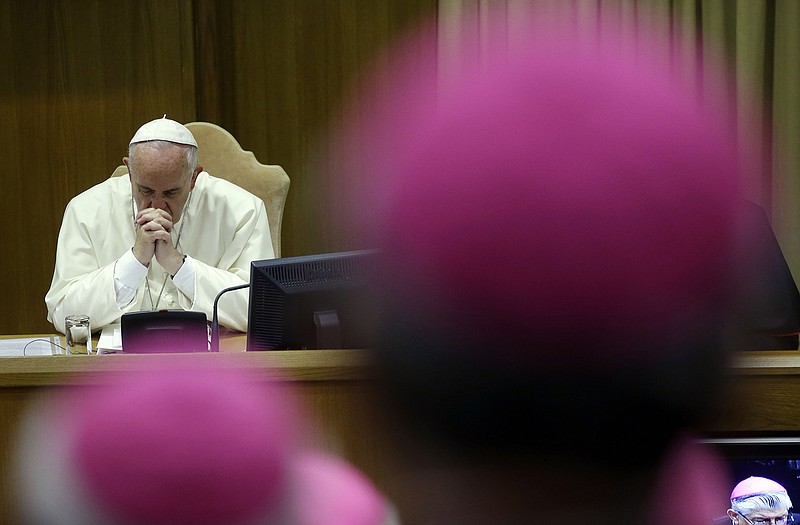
191 151
760 502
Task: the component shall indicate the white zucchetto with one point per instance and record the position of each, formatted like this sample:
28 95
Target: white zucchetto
164 129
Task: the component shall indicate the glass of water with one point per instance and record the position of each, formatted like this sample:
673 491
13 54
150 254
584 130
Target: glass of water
78 333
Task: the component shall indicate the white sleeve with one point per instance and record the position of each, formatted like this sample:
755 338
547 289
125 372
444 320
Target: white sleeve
129 274
184 278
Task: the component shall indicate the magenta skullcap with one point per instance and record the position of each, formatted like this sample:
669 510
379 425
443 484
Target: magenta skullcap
568 198
177 446
183 446
329 491
164 129
755 485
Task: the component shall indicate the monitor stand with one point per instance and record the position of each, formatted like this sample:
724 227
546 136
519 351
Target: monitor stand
329 332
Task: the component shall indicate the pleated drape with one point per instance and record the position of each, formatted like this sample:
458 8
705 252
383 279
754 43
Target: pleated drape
742 56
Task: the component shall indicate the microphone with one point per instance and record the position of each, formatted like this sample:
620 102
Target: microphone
215 320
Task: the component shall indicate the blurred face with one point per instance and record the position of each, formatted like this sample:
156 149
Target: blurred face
160 178
760 517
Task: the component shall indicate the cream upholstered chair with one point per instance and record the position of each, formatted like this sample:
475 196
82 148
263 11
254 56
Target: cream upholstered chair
222 156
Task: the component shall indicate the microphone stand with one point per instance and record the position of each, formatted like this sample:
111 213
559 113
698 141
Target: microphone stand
215 320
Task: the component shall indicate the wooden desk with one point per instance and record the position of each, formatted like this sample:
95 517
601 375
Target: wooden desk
763 394
331 383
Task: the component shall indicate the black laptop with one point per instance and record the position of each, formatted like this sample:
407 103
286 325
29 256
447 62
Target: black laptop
164 331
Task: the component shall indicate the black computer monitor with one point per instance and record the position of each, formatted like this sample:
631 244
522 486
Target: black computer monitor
309 302
768 307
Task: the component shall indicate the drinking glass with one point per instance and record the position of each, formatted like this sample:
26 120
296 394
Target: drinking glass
78 334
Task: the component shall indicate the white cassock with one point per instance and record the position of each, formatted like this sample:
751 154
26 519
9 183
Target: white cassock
223 228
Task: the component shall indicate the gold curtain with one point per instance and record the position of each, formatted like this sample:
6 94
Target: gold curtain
755 44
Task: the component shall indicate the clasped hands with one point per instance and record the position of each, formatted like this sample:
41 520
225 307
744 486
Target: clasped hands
153 227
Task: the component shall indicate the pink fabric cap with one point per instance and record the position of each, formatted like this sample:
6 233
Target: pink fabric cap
694 476
329 491
565 197
755 485
177 446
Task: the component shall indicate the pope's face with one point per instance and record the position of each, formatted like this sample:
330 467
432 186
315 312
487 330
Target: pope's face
160 178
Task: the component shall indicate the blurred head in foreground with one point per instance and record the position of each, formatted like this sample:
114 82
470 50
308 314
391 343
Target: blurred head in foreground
179 446
759 501
555 235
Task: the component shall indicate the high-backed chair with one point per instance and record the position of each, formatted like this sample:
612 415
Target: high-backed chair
221 155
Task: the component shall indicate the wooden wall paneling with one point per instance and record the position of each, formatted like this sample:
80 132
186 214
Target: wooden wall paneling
267 104
26 155
77 79
214 31
294 65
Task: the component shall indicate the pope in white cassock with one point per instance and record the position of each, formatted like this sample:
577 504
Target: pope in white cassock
169 236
